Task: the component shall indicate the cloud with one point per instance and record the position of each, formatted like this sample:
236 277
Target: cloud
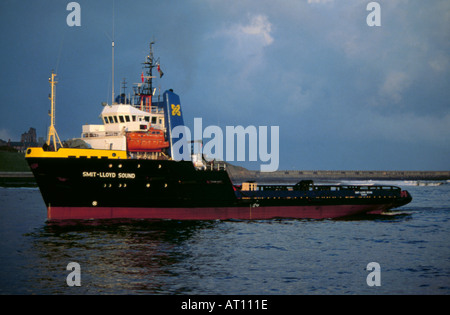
245 43
258 31
409 127
259 26
248 39
395 85
440 63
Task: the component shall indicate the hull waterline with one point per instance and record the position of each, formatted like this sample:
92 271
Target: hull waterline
216 213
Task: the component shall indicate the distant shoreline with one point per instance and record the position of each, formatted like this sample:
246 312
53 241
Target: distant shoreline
16 174
240 173
295 176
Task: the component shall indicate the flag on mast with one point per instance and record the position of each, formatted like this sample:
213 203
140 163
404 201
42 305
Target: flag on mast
160 72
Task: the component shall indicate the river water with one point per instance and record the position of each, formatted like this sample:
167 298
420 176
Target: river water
274 257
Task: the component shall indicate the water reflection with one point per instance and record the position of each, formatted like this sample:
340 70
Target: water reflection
124 257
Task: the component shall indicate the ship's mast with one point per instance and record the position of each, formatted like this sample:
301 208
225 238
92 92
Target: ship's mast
112 75
147 92
112 97
149 65
52 134
144 90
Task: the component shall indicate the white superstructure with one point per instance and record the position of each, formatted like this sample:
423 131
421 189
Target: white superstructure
117 120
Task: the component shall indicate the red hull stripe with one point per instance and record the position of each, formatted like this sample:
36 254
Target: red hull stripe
222 213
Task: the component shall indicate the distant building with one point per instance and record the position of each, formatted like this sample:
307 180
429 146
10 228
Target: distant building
29 137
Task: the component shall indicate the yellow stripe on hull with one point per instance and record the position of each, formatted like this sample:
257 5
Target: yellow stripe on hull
36 152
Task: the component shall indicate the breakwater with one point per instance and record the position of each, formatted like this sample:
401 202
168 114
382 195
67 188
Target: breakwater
241 174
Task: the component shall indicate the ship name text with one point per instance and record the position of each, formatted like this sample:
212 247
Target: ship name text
109 175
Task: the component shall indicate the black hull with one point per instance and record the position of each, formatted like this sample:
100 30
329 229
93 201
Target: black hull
103 188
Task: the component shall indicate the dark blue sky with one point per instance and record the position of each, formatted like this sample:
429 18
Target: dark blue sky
345 95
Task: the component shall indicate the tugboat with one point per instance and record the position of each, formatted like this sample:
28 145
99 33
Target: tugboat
126 168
